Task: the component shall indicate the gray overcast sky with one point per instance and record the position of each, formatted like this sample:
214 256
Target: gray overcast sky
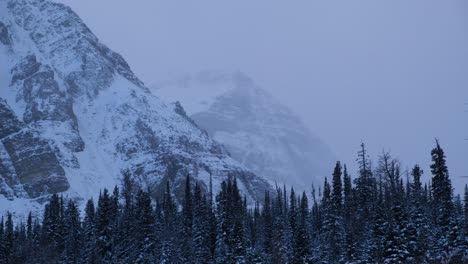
391 73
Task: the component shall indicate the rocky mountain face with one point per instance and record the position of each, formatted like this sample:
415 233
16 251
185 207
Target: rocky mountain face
73 116
258 131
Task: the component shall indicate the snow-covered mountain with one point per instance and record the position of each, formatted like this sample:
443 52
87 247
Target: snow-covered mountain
73 116
258 131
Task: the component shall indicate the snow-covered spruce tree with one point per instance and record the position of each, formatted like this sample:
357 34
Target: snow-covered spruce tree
212 221
349 215
383 207
88 252
36 240
201 252
52 229
380 228
230 244
442 203
333 229
267 230
125 222
24 245
253 254
8 239
302 238
364 201
73 234
281 221
144 229
114 215
325 244
170 250
255 229
287 234
237 235
364 186
18 236
20 251
104 230
314 226
395 243
246 231
29 227
455 236
465 226
158 230
222 253
337 192
293 222
27 245
115 211
187 219
418 229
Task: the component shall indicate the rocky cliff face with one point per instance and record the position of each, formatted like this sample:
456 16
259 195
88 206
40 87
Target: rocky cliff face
259 132
73 116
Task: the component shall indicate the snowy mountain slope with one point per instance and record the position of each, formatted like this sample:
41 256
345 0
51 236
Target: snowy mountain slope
257 130
73 116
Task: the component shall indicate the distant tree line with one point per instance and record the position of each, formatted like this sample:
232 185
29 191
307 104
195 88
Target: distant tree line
380 217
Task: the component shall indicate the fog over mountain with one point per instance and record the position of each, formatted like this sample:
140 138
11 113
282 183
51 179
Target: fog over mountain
257 130
391 74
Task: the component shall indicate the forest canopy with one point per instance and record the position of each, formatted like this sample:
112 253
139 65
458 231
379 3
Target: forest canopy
380 216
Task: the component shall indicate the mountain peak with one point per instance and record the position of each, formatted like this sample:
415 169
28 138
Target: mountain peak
64 42
259 132
74 116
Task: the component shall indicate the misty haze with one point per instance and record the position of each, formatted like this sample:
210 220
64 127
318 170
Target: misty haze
158 131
